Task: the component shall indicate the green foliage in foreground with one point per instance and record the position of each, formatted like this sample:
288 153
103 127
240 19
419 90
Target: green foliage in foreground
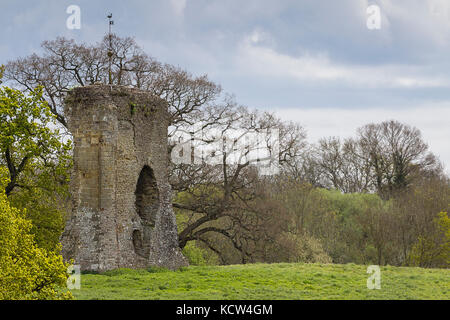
286 281
37 162
26 271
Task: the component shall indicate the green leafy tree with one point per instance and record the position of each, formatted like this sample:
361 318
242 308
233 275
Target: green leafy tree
26 271
37 161
433 250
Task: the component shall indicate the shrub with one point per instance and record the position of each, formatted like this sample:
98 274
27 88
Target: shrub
433 250
301 248
198 256
26 271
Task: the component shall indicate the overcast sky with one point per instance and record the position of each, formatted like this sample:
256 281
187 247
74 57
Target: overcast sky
311 61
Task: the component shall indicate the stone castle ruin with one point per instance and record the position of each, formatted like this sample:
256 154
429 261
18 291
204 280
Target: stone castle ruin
122 214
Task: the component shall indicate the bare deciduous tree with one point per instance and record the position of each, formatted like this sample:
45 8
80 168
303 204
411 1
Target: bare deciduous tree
395 151
223 198
383 158
66 64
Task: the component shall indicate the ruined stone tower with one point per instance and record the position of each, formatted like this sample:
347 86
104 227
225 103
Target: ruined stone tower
122 215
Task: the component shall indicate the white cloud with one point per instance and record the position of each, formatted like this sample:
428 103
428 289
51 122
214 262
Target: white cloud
428 20
178 6
259 60
431 119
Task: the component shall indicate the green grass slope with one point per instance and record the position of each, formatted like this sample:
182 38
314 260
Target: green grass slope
286 281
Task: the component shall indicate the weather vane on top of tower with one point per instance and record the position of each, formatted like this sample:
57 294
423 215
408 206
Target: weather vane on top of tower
110 51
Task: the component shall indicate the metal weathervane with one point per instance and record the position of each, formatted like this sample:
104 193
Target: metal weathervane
110 51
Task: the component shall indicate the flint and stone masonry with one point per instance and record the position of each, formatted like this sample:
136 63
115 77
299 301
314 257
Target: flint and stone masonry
122 214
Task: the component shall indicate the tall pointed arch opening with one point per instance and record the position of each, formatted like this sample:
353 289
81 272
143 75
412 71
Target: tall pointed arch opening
147 206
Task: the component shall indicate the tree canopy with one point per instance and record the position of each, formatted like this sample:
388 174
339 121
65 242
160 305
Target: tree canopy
33 151
26 271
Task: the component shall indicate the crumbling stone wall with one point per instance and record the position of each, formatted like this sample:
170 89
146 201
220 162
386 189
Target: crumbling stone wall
122 215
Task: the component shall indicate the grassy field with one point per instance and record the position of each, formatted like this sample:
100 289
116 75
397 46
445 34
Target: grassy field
266 281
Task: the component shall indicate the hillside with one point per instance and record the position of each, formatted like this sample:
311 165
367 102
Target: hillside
286 281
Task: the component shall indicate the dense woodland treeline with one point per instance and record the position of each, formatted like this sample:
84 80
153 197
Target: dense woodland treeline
380 197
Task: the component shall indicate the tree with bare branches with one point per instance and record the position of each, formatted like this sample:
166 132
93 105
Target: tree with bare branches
66 64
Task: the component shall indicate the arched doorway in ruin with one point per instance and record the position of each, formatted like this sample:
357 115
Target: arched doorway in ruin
147 206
